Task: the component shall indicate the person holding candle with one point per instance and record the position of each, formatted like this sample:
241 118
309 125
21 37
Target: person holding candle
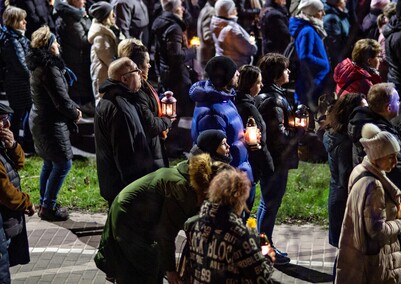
215 109
221 248
155 124
282 142
249 86
122 151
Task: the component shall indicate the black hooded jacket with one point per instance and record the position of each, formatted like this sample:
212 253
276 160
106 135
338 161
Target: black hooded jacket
392 34
359 117
122 151
53 112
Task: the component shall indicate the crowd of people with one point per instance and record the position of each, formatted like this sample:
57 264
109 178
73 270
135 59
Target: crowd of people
113 60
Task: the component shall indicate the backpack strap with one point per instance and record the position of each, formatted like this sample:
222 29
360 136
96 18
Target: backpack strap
362 175
347 84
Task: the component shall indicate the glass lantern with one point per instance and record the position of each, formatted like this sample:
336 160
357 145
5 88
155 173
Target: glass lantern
251 133
169 104
302 116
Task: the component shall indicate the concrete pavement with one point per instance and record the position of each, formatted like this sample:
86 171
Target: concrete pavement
62 252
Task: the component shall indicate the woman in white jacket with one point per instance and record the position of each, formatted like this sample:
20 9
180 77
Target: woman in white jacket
229 37
104 37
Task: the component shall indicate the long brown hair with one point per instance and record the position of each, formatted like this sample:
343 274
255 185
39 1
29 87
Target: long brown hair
338 116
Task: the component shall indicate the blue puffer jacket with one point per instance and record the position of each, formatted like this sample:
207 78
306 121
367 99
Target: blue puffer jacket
215 110
314 63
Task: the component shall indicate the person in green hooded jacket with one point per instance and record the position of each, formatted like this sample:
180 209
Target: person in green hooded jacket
138 241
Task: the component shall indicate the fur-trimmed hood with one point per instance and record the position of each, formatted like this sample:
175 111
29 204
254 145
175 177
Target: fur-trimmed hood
98 29
40 57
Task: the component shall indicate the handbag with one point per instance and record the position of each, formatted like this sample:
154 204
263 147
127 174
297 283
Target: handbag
12 223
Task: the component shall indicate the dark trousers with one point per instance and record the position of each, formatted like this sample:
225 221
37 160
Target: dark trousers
272 189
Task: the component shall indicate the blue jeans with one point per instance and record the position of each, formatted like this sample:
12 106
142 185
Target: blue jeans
4 260
51 179
272 189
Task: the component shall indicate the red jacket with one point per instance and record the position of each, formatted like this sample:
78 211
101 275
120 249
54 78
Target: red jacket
362 79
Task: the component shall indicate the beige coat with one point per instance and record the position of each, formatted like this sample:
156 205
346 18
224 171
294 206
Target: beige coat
103 52
369 249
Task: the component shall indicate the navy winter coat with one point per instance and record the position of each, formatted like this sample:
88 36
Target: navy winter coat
16 83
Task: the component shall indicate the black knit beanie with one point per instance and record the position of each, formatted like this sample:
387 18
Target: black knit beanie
220 70
209 140
100 10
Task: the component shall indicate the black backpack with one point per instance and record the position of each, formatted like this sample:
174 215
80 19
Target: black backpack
291 53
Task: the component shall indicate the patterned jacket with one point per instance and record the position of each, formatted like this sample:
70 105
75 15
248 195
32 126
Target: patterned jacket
223 250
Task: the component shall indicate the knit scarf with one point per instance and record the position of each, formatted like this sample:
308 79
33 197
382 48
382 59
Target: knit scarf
316 23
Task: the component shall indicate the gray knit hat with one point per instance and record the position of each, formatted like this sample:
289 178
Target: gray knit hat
310 7
170 5
5 109
100 10
223 8
376 143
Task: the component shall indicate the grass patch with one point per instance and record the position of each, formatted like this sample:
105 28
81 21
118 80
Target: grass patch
305 199
306 196
80 190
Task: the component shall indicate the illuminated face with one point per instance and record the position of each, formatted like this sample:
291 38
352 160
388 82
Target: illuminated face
285 77
257 86
55 48
319 15
132 78
78 3
21 25
4 121
387 163
394 104
145 67
234 81
224 148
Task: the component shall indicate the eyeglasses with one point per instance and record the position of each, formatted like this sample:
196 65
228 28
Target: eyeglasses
133 71
4 118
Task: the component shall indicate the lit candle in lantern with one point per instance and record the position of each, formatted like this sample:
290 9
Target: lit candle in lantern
168 104
194 41
302 116
251 132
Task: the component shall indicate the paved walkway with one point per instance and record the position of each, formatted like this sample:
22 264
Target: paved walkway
62 252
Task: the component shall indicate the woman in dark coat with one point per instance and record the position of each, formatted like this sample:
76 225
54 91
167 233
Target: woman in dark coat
72 27
282 142
339 148
148 102
172 54
249 86
16 82
274 27
53 113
